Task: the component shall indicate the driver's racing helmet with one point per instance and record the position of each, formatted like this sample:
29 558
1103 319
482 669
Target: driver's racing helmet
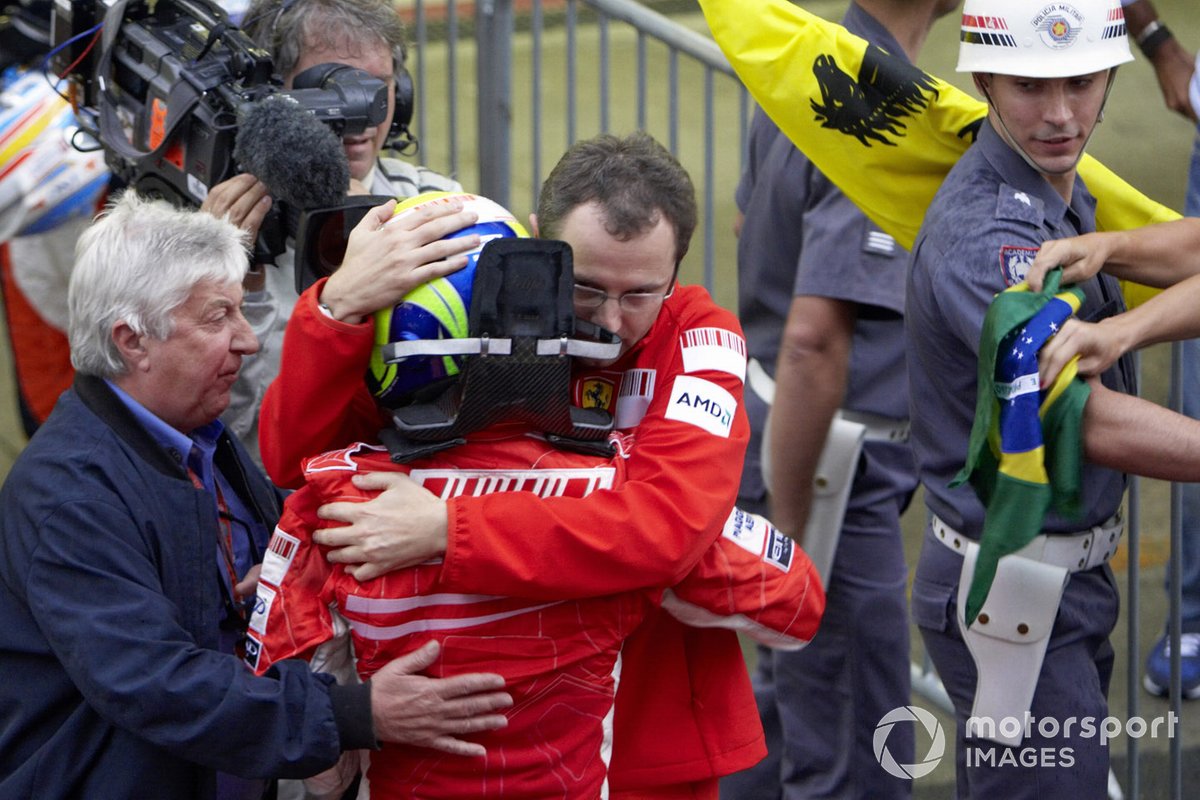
44 179
1037 39
435 310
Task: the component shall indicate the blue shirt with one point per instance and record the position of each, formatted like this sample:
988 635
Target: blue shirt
196 453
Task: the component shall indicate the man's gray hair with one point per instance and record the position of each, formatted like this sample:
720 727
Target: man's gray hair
138 263
285 28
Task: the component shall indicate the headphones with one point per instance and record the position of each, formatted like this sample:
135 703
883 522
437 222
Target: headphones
400 137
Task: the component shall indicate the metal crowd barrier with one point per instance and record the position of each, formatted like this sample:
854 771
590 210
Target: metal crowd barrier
500 95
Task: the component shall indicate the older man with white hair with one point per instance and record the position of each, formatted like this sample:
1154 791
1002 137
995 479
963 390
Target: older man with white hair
133 527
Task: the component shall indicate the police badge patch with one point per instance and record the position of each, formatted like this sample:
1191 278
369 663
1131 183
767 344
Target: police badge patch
1015 262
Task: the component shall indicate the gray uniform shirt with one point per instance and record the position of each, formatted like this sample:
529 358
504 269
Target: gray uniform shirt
802 236
983 228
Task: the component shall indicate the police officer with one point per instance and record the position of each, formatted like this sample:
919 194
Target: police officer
1045 71
821 298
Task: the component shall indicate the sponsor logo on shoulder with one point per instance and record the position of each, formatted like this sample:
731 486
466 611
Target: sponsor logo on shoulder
1015 262
280 552
716 349
703 404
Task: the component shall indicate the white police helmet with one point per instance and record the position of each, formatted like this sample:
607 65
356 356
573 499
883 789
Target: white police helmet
1039 39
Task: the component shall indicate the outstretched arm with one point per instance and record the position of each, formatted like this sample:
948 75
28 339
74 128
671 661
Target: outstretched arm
1168 316
318 400
1133 435
1156 255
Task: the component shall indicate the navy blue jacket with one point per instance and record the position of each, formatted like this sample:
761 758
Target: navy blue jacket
111 684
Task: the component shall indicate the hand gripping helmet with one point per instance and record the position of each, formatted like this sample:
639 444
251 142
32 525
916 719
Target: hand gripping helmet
490 344
1039 39
435 310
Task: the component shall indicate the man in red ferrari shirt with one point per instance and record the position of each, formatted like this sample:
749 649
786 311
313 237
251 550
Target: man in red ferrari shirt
685 713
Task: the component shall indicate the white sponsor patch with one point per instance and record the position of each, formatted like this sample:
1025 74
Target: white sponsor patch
741 530
633 398
262 609
758 536
280 552
703 404
714 348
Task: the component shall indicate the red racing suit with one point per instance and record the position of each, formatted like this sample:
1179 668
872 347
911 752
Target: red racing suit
560 658
685 711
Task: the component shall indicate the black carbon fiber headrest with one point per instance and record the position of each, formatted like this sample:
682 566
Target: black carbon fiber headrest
523 335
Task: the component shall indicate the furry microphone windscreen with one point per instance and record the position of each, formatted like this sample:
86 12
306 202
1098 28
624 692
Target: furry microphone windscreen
298 157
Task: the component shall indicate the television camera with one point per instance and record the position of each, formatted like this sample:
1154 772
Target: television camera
181 99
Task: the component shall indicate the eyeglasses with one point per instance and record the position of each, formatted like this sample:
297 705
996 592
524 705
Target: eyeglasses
592 298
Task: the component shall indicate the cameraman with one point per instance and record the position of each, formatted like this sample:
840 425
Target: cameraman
368 35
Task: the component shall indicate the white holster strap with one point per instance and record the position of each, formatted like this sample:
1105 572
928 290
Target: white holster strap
1008 639
836 468
831 492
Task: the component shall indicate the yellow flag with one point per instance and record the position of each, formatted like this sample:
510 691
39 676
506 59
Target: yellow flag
882 130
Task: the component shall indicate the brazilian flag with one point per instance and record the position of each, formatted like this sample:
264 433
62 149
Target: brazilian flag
882 130
1026 452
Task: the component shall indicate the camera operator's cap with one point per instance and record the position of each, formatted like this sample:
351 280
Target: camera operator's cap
1039 39
436 310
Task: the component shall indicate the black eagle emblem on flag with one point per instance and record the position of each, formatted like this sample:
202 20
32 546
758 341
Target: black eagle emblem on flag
872 108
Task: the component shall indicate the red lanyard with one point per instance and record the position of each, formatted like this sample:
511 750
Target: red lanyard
224 535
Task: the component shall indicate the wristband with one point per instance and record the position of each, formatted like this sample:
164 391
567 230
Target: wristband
1152 37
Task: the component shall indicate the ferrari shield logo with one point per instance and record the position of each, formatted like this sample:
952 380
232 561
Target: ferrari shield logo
1015 262
597 393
